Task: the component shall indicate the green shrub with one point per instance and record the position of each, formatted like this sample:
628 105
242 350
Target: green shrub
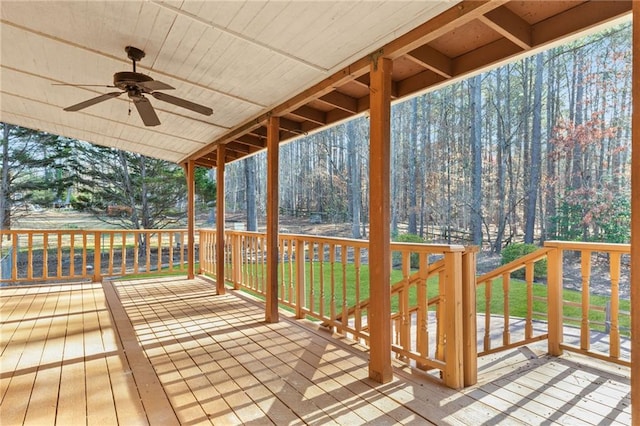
518 250
415 257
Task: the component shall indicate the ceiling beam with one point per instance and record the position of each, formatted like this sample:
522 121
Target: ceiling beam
340 100
579 18
419 82
449 20
311 114
433 60
509 25
485 56
252 141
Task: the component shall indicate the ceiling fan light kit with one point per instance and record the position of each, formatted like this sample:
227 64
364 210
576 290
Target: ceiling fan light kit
135 85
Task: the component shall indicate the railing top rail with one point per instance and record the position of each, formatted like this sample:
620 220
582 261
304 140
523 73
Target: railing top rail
80 231
395 246
515 264
440 248
590 246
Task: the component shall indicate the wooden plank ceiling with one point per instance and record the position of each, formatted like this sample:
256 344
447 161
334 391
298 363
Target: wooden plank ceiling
306 62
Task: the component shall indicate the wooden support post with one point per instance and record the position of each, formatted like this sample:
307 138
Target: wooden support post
554 300
635 220
220 237
453 328
191 218
469 317
273 147
379 238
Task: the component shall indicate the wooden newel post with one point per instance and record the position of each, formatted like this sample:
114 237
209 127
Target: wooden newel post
453 354
97 258
554 299
469 317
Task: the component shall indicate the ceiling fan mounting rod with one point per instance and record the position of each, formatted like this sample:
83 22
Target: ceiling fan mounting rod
134 54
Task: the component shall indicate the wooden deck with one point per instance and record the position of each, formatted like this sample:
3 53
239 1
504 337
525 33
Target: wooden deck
165 351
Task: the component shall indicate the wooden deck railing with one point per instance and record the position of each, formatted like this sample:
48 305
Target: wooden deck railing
571 320
56 255
601 320
327 279
437 303
501 330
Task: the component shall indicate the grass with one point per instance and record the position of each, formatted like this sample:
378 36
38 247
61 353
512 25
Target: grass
348 281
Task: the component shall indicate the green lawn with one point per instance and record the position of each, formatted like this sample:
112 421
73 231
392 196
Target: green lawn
344 284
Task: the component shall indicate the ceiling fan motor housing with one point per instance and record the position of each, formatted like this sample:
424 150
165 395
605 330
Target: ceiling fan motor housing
127 80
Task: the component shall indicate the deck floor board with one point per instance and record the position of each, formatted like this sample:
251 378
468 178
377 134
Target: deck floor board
169 351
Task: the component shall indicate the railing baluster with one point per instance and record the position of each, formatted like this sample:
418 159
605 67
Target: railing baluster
506 333
29 256
59 255
147 239
300 278
291 269
344 315
321 273
171 238
422 338
136 252
159 255
357 313
45 255
488 290
403 302
528 327
585 267
84 253
332 277
72 255
124 254
440 315
614 331
312 282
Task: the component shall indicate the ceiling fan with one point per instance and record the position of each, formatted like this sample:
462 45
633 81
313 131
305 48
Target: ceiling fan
136 85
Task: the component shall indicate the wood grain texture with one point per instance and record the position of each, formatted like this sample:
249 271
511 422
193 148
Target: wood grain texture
380 210
217 362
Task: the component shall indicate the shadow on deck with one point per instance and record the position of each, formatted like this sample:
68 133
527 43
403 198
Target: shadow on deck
166 351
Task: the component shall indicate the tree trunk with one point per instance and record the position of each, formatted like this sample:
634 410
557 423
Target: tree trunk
129 191
536 155
500 175
412 158
476 150
355 187
250 193
5 204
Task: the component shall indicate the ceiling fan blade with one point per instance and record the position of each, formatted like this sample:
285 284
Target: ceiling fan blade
81 85
93 101
150 86
146 111
183 103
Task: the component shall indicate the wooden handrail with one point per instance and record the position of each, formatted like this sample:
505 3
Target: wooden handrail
514 265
